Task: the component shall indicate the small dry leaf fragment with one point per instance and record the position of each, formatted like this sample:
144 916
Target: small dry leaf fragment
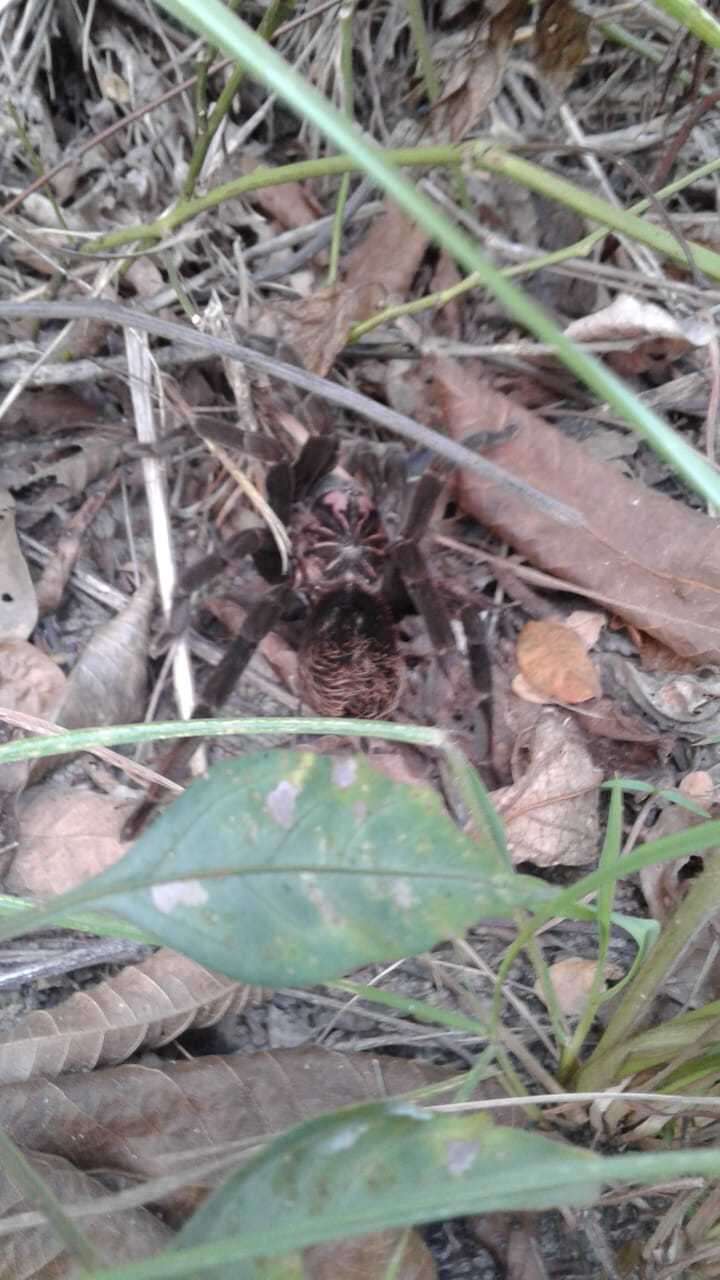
317 327
31 682
656 335
554 661
588 624
368 1257
572 979
551 812
65 838
561 41
18 603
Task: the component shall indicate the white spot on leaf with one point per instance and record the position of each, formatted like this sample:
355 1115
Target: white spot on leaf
344 772
461 1156
402 894
344 1139
281 803
178 893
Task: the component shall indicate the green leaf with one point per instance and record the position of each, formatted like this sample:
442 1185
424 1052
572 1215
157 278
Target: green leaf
288 867
385 1165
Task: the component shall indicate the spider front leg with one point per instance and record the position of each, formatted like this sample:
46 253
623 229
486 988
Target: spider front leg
260 620
407 560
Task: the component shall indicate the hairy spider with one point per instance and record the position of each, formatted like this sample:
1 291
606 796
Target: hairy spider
345 571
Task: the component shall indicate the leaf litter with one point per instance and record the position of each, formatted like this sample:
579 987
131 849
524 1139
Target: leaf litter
641 552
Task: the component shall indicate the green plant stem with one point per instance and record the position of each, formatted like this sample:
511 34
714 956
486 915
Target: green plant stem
694 18
496 160
609 858
251 726
345 21
693 912
579 249
258 180
214 21
94 922
273 17
422 45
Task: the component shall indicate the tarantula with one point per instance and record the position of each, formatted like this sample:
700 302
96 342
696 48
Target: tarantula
347 570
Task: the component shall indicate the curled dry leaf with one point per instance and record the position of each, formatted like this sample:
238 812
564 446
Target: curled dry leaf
572 979
82 463
65 837
108 683
31 682
38 1254
588 624
685 703
656 335
210 1109
145 1005
692 982
473 69
54 577
561 41
551 812
631 551
18 603
554 661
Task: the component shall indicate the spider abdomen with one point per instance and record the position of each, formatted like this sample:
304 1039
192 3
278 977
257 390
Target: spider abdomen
349 661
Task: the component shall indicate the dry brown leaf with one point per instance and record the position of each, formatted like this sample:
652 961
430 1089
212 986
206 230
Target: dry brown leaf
65 837
572 979
551 812
54 577
53 409
379 270
606 720
149 1122
650 559
587 623
657 336
76 468
38 1254
18 604
368 1257
561 41
31 682
317 327
108 683
554 661
145 1005
475 62
388 257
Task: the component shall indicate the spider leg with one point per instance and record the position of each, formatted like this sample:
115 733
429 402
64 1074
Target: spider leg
249 542
316 459
411 564
407 560
259 621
